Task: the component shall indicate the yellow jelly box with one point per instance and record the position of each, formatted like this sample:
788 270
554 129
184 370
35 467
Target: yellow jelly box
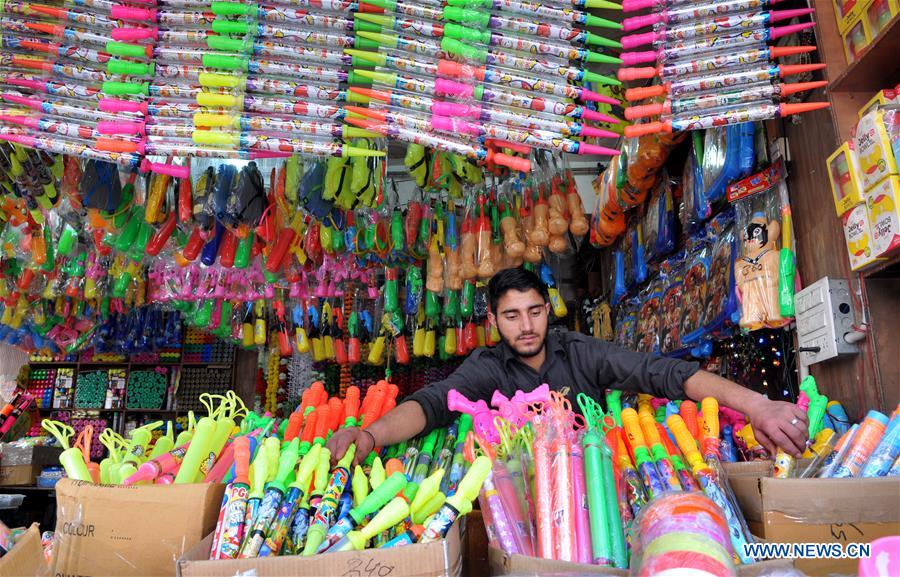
858 234
873 144
879 14
846 11
881 98
857 36
884 215
844 175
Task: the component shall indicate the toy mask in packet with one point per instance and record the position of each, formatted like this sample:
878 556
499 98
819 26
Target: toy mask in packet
758 208
728 154
696 276
672 304
658 222
647 332
626 323
721 305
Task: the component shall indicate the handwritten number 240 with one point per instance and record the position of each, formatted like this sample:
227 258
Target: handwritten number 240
370 568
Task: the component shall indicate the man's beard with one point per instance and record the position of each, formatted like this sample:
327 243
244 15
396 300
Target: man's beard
529 353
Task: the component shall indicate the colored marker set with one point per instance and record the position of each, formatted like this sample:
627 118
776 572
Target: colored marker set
714 63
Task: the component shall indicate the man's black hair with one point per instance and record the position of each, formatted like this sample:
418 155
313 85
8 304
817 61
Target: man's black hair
519 279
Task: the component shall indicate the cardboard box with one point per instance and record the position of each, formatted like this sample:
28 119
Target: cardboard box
137 531
503 564
858 235
442 558
844 176
26 558
884 213
856 37
21 465
874 148
846 11
817 511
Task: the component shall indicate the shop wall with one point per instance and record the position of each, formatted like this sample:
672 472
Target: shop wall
821 251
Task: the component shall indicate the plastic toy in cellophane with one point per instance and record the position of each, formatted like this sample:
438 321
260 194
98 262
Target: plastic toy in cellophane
721 306
696 277
658 222
648 330
728 155
631 270
671 306
691 178
626 323
757 268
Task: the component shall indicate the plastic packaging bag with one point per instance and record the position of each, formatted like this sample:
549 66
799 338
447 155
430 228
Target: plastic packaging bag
658 222
647 336
671 307
683 534
696 276
757 268
721 307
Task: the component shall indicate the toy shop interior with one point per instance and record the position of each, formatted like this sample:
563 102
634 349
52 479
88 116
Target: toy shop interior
449 287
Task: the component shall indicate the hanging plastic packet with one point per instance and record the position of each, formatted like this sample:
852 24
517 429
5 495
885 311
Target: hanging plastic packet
647 334
658 222
626 324
671 307
696 276
721 306
758 204
728 155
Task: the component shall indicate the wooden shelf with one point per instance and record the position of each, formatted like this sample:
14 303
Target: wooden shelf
877 67
881 269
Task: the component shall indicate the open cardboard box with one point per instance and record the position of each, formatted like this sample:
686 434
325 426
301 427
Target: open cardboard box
817 511
26 558
134 531
503 564
439 558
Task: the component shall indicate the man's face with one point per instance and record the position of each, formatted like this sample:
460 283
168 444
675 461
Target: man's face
522 318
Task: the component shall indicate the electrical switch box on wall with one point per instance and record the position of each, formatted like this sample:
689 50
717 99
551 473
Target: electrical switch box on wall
824 316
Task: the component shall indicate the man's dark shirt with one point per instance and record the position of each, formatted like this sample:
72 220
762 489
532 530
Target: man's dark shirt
582 363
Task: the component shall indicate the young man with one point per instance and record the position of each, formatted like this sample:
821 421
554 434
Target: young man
528 356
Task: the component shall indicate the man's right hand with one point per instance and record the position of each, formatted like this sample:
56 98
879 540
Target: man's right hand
341 440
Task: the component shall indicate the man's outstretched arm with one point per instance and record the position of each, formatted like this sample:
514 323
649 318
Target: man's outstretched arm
401 423
775 423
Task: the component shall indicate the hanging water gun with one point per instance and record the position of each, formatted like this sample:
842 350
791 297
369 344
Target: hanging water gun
787 267
556 301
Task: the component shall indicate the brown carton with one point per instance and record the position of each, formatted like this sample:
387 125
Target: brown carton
20 466
138 531
817 511
26 558
503 564
439 558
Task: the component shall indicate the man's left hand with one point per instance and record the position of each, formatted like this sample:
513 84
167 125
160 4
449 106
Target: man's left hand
779 424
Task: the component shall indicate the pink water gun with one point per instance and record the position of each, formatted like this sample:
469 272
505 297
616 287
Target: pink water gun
515 409
482 416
